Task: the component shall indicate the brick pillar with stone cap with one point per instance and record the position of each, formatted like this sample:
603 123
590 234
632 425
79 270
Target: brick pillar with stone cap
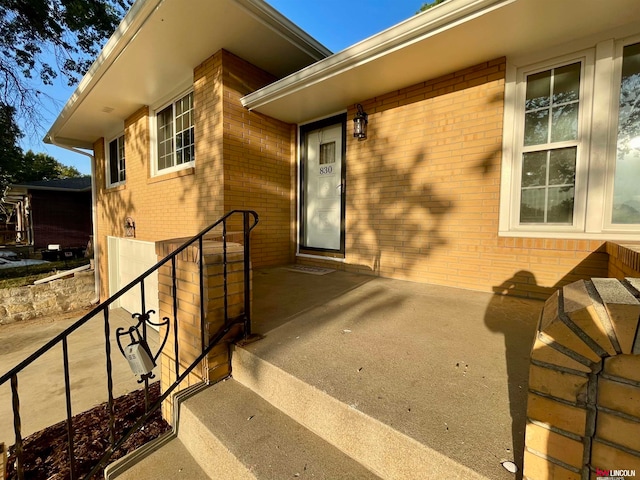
583 412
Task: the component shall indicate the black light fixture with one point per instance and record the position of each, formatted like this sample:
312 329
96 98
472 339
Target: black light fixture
360 123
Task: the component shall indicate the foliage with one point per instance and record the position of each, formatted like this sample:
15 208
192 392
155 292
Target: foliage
40 166
428 5
10 152
39 38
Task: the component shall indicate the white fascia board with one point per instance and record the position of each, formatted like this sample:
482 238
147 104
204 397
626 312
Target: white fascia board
285 28
443 17
133 21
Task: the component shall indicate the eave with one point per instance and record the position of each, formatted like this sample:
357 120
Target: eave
452 36
156 48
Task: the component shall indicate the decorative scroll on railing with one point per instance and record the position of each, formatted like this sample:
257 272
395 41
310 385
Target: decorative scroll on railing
139 343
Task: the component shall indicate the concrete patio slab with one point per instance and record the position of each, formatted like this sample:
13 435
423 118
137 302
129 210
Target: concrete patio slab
446 367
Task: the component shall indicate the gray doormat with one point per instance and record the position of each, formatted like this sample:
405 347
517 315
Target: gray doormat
310 270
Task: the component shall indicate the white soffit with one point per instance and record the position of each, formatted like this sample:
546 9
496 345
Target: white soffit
452 36
156 48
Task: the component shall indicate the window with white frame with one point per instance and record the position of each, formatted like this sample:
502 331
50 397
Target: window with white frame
566 172
116 162
626 183
550 145
175 142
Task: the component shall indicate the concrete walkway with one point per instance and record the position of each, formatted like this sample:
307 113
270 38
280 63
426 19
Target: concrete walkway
447 367
41 385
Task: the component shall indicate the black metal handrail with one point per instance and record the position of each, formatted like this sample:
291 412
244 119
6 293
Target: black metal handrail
62 339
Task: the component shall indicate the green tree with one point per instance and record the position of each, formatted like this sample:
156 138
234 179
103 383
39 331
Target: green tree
40 166
41 38
10 152
428 5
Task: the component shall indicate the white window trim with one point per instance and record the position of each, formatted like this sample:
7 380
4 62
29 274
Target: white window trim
602 66
611 152
153 130
107 156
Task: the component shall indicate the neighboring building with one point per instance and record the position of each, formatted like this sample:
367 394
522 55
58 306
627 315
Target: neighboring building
51 212
503 139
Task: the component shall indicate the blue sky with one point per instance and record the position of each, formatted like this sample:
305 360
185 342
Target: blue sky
336 24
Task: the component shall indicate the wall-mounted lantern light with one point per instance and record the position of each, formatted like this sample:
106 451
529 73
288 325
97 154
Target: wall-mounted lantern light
129 227
360 123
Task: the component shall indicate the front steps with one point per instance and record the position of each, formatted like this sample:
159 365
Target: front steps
227 431
267 424
404 380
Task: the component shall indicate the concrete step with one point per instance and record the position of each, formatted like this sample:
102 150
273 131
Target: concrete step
376 445
230 432
171 460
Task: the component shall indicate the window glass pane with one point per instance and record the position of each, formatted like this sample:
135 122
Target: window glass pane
564 123
121 162
560 205
536 127
534 169
566 83
327 153
538 90
532 206
113 161
165 137
626 194
562 166
548 180
175 128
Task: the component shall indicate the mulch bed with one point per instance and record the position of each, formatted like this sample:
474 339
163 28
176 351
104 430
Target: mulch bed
45 453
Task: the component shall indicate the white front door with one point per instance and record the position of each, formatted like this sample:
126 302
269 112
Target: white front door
323 188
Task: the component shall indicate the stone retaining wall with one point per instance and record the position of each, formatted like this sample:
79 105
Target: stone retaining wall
64 295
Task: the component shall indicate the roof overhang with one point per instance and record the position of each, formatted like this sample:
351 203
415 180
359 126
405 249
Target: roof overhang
156 48
452 36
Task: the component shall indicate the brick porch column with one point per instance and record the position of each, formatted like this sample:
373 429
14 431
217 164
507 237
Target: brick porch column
583 412
216 364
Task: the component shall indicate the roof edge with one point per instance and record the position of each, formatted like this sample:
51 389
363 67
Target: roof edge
286 28
445 16
131 24
137 16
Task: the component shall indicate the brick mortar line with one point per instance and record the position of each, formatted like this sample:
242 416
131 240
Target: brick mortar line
628 450
558 368
564 318
626 381
617 413
547 340
603 315
591 420
557 430
554 460
559 400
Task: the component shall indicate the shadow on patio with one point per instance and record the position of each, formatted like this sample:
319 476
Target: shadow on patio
444 366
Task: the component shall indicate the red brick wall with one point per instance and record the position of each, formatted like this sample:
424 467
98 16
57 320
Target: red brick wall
62 218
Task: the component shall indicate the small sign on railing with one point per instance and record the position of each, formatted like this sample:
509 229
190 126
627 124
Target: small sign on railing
137 352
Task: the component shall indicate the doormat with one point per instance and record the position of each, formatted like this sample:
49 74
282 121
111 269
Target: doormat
308 269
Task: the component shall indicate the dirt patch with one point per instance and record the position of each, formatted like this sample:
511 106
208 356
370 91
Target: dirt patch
46 454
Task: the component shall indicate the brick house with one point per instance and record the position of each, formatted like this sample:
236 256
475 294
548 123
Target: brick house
461 180
500 154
